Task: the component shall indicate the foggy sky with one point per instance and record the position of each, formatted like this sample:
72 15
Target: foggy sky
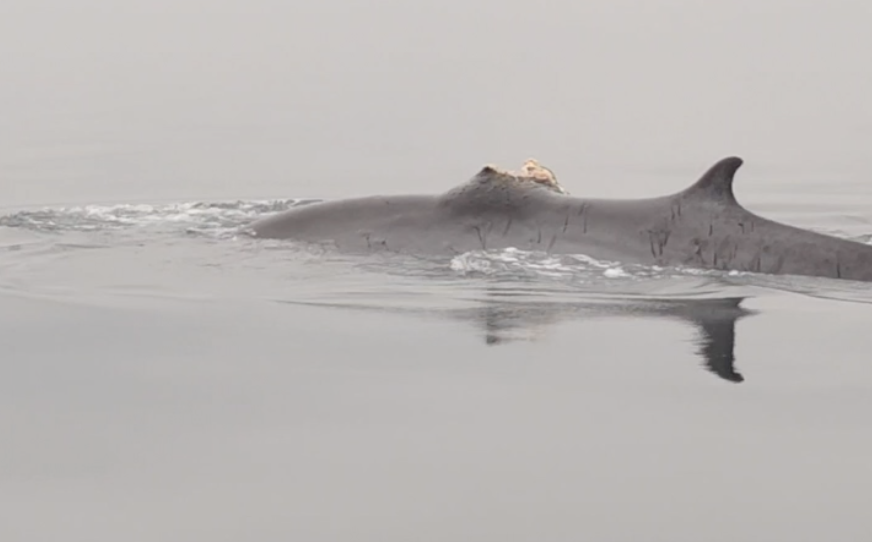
187 98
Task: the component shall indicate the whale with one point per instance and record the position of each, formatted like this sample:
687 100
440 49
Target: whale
702 226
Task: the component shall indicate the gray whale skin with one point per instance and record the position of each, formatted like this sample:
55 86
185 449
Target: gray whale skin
702 226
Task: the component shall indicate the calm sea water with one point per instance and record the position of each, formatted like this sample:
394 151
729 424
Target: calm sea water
165 379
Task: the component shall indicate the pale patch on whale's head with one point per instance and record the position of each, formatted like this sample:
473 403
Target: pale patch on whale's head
533 171
541 174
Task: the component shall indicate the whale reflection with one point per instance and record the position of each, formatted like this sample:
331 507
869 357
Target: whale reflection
713 319
506 316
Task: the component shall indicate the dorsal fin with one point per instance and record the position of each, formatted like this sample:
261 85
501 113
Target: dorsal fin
717 182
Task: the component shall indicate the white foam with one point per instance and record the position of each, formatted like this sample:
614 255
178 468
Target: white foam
514 261
209 218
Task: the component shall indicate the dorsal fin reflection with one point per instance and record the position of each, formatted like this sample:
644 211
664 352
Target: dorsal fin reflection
501 318
714 321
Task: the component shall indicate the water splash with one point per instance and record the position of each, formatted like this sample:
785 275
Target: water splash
512 262
218 219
